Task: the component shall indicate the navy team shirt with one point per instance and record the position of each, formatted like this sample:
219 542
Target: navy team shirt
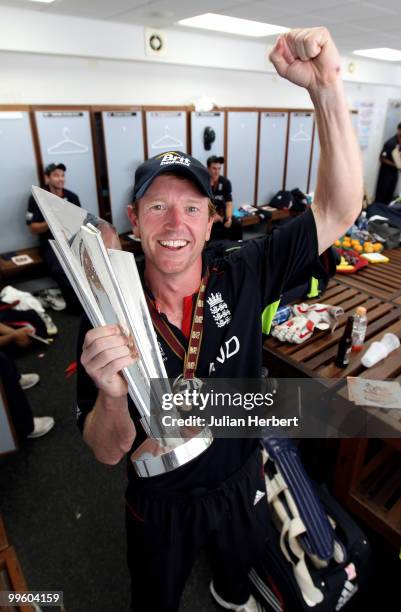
244 282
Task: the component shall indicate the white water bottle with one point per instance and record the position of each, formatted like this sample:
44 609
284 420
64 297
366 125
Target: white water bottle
359 328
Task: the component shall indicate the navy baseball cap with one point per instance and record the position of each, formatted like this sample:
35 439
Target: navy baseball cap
52 167
175 162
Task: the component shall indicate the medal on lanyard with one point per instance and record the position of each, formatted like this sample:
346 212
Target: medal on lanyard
187 380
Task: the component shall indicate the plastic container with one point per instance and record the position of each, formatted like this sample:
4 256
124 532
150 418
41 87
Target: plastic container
363 221
282 314
391 342
380 350
359 328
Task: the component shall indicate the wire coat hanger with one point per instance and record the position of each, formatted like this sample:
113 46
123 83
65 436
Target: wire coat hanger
73 146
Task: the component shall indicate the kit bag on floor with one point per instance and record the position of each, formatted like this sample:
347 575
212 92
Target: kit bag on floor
316 557
282 199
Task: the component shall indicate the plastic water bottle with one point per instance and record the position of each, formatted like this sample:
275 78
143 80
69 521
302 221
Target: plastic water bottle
363 221
359 328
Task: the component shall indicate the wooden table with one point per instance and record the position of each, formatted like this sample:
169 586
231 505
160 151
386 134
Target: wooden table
9 270
380 280
315 357
275 214
367 477
250 220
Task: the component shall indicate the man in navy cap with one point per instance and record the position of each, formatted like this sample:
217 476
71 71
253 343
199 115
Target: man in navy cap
54 182
217 499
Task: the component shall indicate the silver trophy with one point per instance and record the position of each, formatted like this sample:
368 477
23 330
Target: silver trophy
107 283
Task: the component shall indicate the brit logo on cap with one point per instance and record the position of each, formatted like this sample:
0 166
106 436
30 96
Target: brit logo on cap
172 158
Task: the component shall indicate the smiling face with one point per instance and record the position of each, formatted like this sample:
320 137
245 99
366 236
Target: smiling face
56 179
172 220
214 171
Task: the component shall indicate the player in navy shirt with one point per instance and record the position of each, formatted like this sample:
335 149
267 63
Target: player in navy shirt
215 499
55 179
389 169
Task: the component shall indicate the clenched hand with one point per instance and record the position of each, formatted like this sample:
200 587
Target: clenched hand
307 57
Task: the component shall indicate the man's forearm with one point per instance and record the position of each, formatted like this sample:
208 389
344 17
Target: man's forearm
109 429
339 190
39 227
396 155
387 162
7 335
229 210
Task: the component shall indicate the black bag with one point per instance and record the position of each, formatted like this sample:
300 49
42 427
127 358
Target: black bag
385 232
273 582
282 199
299 200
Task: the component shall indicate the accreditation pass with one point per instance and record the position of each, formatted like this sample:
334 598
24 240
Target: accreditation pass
40 598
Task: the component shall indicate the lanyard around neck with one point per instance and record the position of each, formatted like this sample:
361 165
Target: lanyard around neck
190 357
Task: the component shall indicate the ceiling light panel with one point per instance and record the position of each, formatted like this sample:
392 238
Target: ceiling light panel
381 53
232 25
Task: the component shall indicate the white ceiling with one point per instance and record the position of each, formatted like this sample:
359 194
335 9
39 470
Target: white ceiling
354 24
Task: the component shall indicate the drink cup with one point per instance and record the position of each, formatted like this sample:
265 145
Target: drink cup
390 341
375 353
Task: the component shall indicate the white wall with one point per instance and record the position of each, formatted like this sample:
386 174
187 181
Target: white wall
56 60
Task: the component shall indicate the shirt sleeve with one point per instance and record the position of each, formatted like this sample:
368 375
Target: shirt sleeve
388 149
87 391
284 259
228 197
33 213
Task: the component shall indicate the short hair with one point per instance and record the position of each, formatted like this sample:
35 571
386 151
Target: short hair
214 159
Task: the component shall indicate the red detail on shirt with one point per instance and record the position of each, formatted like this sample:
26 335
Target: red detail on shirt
187 307
71 369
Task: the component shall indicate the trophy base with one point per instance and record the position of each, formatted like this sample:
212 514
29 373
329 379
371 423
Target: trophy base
152 459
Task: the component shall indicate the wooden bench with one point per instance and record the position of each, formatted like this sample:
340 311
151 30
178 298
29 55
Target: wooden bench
381 280
315 357
9 270
11 576
275 214
367 476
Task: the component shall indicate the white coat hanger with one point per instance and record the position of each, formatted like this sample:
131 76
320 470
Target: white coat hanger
67 146
167 140
301 135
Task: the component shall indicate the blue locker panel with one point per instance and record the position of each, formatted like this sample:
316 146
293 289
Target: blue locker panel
123 137
299 149
166 131
65 137
272 144
241 155
17 175
200 121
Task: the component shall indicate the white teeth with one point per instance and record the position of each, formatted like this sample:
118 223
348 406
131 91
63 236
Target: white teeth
173 243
